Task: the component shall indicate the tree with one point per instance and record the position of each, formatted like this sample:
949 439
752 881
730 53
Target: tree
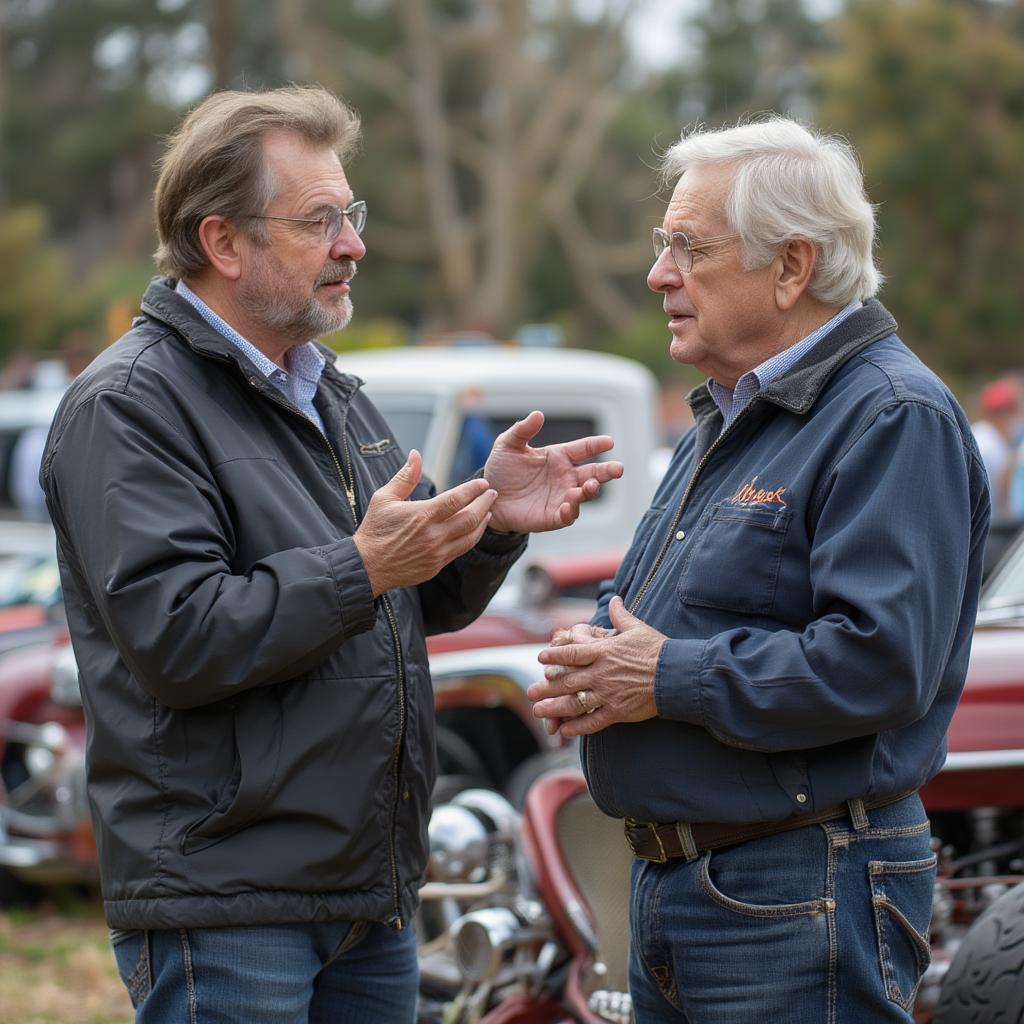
932 92
494 120
31 282
750 56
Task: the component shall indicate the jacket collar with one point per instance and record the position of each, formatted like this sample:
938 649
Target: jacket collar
801 387
163 303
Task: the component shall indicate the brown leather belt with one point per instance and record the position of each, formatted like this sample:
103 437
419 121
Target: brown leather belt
661 842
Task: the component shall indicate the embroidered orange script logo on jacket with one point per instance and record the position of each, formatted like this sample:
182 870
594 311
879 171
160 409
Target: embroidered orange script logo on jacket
751 494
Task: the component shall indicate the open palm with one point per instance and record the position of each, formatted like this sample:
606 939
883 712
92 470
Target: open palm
542 489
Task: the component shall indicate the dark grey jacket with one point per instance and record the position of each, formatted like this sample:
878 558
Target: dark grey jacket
260 729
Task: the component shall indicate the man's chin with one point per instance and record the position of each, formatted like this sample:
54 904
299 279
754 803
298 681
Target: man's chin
339 315
681 350
331 318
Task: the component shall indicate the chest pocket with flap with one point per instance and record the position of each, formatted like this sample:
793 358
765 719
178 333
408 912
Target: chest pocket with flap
732 558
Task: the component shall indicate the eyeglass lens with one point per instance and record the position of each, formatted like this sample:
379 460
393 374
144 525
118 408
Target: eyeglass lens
335 220
682 254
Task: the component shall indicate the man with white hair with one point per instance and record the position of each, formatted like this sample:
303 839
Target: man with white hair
770 677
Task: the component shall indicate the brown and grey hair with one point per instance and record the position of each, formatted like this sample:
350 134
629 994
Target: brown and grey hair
213 163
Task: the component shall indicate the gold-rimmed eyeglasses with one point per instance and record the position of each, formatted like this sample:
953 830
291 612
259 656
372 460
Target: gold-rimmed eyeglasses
331 221
683 246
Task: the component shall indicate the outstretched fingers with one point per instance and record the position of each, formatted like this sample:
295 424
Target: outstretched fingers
599 472
523 431
455 500
584 448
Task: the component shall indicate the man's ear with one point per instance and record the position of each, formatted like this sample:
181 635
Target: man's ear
219 239
797 260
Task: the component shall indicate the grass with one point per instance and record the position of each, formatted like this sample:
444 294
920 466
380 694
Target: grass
56 967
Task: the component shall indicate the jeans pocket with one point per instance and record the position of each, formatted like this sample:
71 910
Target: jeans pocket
765 911
131 951
901 895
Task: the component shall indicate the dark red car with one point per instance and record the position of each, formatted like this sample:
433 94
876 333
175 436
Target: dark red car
487 736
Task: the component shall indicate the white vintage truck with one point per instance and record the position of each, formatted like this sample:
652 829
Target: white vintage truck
446 401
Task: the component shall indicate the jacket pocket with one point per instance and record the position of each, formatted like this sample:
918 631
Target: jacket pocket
733 559
257 740
901 895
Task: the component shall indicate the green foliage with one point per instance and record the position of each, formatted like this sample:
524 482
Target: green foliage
365 333
930 91
33 277
931 94
86 101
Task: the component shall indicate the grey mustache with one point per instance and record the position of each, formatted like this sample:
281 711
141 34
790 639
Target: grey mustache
337 272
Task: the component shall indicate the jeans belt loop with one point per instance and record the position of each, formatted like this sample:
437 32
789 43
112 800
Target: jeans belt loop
685 833
858 816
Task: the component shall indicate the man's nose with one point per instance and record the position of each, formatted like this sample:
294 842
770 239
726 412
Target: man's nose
348 244
664 275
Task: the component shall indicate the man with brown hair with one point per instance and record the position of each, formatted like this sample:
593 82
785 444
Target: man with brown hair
250 566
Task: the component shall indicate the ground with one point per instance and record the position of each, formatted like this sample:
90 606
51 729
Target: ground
56 968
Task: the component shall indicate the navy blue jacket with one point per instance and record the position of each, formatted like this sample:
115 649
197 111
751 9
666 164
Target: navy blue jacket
816 568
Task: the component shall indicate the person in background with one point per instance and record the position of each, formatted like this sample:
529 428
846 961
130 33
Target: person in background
769 679
997 434
475 436
49 377
250 567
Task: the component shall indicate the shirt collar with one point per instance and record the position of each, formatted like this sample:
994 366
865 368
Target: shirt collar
304 360
731 401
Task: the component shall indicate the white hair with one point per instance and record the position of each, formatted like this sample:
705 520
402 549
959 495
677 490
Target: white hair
791 182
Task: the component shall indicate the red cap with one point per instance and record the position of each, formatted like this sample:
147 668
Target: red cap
1000 396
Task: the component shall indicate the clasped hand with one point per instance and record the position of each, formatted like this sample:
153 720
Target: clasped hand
595 677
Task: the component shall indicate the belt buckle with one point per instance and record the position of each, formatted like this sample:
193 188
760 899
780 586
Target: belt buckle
632 826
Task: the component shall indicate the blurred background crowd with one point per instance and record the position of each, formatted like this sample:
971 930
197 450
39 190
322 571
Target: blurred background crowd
507 165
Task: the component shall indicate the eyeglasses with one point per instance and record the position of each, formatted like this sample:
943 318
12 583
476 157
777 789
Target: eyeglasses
332 221
683 247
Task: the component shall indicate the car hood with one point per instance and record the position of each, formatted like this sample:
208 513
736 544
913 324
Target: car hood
990 715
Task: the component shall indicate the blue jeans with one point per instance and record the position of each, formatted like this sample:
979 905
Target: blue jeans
826 924
334 973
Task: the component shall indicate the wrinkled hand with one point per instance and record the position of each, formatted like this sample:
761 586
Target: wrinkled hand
542 488
403 542
614 670
581 633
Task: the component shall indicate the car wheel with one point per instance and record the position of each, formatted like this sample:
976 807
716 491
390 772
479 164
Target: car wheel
985 982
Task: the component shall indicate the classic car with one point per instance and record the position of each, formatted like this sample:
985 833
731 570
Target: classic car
488 736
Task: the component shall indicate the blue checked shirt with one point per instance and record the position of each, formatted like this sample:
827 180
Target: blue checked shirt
305 362
733 401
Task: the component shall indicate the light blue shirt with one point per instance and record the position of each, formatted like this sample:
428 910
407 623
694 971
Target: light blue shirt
732 401
305 362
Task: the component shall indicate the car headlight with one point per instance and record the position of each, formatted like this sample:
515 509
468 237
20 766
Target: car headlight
41 756
459 845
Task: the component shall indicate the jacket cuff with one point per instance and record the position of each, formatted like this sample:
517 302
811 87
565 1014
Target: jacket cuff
352 585
677 681
501 544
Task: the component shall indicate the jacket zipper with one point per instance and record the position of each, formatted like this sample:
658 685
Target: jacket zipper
666 544
348 483
682 508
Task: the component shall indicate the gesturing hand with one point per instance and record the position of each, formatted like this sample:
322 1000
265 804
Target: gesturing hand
403 542
542 488
614 673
